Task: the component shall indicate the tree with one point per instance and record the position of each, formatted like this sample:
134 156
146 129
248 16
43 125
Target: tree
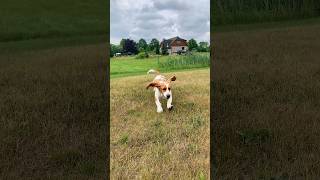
192 44
142 44
115 49
154 44
203 47
164 47
164 50
158 50
112 51
122 43
129 46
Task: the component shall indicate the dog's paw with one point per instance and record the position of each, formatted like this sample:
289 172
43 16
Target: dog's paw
159 110
170 107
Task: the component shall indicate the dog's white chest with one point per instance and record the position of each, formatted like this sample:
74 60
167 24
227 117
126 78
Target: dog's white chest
158 93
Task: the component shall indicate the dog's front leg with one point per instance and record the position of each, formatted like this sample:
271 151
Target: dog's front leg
169 105
159 107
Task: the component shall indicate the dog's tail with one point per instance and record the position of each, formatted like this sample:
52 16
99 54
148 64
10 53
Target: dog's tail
152 71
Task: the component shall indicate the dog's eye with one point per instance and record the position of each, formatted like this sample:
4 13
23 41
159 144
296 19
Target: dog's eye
164 89
169 89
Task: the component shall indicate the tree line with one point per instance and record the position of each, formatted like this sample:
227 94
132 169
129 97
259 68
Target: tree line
130 47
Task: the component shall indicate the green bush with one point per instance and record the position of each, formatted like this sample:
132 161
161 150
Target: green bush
142 55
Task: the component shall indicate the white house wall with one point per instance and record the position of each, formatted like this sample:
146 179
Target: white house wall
178 48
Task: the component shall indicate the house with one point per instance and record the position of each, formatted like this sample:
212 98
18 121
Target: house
175 45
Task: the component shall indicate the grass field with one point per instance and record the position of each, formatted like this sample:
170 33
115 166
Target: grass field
52 113
253 11
129 65
170 145
53 66
265 87
265 25
23 19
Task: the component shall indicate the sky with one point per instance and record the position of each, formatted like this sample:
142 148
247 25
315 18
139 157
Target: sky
159 19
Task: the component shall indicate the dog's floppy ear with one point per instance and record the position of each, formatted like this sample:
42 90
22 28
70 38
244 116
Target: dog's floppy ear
173 78
153 84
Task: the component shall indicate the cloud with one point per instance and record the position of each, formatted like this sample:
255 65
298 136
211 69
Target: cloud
159 19
176 5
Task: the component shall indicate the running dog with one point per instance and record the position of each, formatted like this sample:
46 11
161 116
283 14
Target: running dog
162 89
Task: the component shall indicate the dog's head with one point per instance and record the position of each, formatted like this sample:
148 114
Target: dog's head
163 86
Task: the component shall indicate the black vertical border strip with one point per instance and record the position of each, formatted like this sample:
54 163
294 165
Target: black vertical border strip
213 160
107 93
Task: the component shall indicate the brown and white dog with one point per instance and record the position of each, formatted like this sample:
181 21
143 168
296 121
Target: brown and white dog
162 89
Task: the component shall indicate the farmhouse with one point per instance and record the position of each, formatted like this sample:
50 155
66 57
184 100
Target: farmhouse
174 45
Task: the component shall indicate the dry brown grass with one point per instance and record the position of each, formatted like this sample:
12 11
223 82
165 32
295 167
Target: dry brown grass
171 145
53 113
265 87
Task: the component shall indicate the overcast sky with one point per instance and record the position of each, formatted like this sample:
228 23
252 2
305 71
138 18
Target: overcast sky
159 19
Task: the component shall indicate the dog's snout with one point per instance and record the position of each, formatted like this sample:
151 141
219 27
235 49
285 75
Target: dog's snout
168 96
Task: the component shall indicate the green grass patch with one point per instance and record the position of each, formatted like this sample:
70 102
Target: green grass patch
197 121
201 176
129 65
124 139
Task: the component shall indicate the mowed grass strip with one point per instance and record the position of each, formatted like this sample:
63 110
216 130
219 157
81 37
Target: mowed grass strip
170 145
126 66
265 87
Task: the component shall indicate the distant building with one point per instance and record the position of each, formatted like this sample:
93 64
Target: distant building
175 45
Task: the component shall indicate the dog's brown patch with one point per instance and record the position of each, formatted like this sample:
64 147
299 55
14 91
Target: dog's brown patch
162 86
173 78
153 84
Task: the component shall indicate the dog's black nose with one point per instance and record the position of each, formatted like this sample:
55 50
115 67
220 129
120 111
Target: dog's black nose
168 96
